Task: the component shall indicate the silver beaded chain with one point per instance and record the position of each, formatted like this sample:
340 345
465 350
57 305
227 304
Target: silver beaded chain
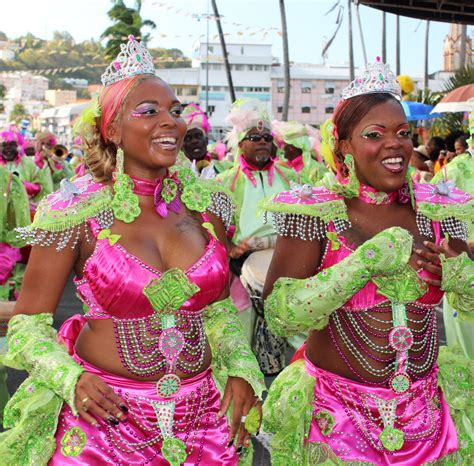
223 207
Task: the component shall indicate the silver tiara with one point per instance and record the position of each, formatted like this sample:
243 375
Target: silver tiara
376 78
132 60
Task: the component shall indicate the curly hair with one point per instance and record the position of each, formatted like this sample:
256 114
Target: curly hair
347 115
100 153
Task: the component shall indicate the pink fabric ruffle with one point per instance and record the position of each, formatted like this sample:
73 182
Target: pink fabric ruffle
9 256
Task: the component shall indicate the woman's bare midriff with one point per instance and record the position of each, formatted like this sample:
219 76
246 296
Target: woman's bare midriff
96 344
322 352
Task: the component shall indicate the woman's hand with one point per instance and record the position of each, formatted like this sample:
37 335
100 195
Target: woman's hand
431 261
243 399
95 398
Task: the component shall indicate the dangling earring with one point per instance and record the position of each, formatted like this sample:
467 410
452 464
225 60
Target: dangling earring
350 188
125 203
406 193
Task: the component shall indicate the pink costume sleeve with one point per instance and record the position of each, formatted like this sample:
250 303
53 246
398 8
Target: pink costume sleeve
32 188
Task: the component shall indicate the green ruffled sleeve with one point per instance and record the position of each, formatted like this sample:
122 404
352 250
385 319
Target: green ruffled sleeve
33 346
297 305
231 354
287 414
31 419
458 283
456 377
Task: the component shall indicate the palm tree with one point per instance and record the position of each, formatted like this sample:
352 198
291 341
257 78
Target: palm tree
128 21
286 62
224 52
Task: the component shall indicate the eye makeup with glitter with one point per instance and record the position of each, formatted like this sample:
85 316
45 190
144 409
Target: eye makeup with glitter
404 132
373 132
145 109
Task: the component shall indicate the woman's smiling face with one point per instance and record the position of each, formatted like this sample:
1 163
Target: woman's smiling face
381 146
150 129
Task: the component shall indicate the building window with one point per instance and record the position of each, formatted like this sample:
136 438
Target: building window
239 89
217 88
216 67
239 67
203 66
250 67
211 109
329 109
306 87
193 91
329 87
179 91
241 50
279 109
211 49
280 90
305 109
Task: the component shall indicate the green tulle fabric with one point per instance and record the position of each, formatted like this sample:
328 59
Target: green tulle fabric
14 208
458 283
33 346
31 415
53 220
326 211
231 354
456 377
287 414
297 305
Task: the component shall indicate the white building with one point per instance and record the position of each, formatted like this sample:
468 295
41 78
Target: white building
59 120
23 85
315 91
184 81
250 66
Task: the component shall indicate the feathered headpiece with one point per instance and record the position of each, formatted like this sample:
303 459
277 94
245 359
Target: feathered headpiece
196 118
244 115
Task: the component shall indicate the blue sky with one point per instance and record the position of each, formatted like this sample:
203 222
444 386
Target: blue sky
308 27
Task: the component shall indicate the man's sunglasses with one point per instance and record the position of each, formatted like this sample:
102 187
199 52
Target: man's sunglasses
259 137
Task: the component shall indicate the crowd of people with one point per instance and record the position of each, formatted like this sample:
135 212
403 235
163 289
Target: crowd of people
202 265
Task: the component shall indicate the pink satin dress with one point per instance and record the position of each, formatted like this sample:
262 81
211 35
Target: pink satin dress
111 288
354 410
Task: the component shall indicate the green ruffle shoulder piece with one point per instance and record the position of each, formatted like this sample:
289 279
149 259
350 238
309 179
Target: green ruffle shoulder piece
287 414
304 211
444 203
456 378
62 215
201 194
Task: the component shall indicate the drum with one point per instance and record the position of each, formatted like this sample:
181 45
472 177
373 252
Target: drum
268 348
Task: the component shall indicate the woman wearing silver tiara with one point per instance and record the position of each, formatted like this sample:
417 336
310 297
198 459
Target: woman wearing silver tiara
361 263
131 381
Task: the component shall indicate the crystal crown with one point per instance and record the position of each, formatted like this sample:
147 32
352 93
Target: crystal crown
133 59
376 78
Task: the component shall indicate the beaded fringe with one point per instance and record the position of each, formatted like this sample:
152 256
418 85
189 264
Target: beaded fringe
223 207
303 226
68 236
454 228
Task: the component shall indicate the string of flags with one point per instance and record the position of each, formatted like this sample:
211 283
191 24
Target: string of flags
244 30
72 69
